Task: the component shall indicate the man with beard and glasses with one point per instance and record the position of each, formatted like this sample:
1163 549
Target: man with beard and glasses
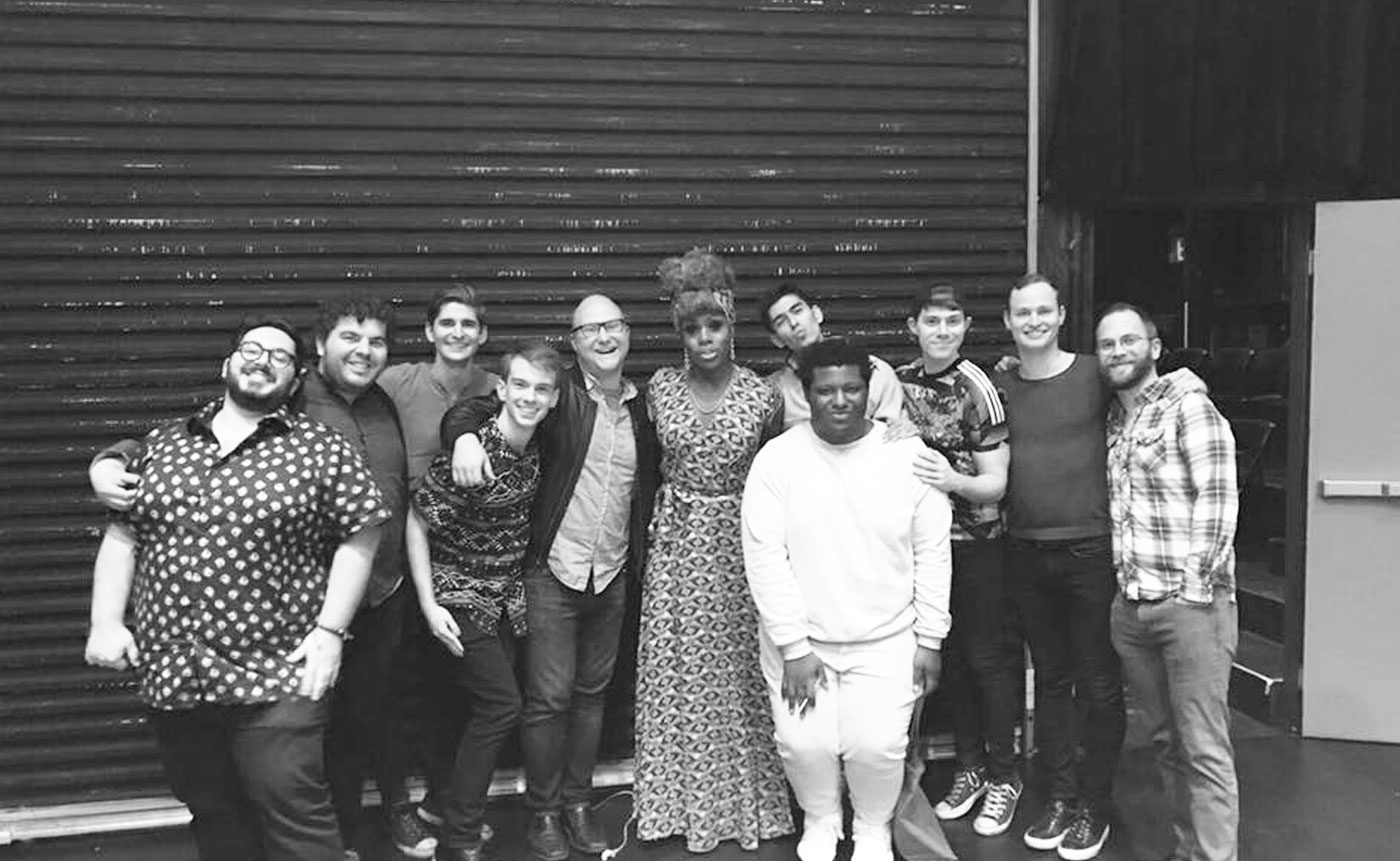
1060 557
1173 502
366 722
242 558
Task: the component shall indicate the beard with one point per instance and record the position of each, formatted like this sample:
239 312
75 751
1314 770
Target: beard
265 402
1136 371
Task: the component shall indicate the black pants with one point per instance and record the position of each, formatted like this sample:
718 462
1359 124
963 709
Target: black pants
253 779
1066 590
366 724
466 761
982 660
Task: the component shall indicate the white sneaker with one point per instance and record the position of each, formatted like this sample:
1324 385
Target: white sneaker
872 843
819 839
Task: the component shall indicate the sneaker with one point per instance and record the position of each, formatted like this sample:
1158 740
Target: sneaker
871 843
998 808
1087 834
430 811
351 855
969 784
1048 831
408 833
819 839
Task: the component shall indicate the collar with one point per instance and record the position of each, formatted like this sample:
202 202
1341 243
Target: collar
199 424
592 385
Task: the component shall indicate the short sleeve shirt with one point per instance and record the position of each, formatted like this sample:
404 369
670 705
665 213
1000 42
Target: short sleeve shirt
422 401
233 553
477 536
958 412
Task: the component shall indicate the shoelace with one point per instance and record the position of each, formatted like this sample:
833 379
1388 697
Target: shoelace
1085 825
998 798
964 784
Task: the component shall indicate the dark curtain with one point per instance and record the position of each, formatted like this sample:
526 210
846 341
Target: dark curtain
1225 101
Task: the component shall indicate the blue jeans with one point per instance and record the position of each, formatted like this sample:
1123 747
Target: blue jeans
569 659
1177 657
253 779
1066 590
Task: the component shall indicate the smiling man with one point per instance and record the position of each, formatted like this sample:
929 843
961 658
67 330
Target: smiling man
366 723
598 461
847 556
466 549
794 322
960 418
424 391
238 638
1174 504
1060 555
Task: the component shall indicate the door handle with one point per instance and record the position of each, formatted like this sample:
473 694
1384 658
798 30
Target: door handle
1368 489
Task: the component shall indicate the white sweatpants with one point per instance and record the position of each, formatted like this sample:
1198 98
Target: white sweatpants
860 720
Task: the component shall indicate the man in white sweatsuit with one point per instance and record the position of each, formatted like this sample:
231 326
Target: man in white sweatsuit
848 559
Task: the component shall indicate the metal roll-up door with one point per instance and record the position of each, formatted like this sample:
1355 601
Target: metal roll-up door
166 168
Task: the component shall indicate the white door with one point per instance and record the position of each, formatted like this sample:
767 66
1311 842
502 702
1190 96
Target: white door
1350 676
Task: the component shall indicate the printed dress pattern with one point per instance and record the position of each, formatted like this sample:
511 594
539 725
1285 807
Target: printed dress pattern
707 764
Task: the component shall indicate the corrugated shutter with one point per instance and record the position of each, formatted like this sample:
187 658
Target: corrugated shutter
167 167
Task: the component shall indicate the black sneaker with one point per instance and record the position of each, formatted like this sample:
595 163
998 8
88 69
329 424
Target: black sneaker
1086 835
969 784
1049 830
408 833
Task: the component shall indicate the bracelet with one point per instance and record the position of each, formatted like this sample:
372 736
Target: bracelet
340 633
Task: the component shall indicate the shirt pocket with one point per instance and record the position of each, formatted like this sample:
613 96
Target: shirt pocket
1149 448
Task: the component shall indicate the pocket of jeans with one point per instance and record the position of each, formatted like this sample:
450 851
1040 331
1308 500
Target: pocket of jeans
1089 548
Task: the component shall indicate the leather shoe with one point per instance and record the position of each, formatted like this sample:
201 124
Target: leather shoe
584 833
545 837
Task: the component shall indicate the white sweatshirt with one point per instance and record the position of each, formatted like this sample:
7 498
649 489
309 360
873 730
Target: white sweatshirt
842 544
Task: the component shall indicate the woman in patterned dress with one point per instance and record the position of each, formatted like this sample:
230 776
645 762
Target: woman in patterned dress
707 765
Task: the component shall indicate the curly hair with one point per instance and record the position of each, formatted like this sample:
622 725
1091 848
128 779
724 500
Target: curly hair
698 282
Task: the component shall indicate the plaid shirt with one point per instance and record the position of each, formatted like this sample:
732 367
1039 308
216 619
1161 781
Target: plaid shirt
1172 492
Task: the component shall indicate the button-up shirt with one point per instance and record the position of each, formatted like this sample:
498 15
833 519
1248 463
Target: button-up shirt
592 537
372 426
422 400
477 535
234 553
1172 493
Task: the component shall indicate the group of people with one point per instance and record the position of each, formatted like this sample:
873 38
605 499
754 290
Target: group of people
808 547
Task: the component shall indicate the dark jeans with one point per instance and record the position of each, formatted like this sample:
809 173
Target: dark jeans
1066 590
569 660
982 660
486 674
253 779
366 724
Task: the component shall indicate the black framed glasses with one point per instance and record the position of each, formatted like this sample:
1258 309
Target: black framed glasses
592 330
251 351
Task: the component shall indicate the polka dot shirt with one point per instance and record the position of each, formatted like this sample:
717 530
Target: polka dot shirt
234 551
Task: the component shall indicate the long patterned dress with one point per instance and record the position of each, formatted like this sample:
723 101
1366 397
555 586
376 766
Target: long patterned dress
707 765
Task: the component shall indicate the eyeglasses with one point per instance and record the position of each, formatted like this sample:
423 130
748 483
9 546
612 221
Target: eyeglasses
1127 342
251 351
593 330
